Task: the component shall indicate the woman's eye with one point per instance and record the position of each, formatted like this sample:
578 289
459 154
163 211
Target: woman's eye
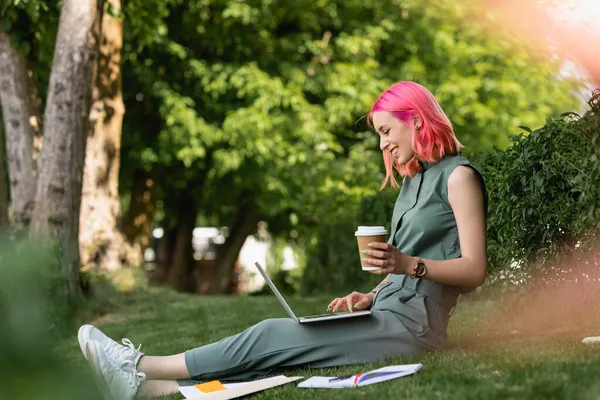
386 132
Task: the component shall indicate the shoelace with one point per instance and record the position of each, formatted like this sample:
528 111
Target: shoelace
134 377
126 350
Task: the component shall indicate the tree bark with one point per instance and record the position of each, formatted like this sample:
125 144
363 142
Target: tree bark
3 188
180 275
137 224
220 279
66 124
20 123
101 244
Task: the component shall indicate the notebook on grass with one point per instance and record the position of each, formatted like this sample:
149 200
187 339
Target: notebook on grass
361 379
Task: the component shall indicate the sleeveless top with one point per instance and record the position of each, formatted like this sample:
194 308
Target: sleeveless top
423 223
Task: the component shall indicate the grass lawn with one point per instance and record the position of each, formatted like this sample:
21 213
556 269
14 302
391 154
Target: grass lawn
487 356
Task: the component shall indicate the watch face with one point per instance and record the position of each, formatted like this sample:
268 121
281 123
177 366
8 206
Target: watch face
421 269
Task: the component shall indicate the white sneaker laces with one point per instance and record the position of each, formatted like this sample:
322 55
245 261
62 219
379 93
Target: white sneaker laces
118 351
131 373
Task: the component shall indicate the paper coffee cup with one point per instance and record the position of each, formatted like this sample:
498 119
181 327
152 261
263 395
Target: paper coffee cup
364 236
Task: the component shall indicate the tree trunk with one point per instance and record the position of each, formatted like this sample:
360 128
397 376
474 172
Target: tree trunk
180 275
101 244
3 188
20 122
164 250
66 124
137 224
220 280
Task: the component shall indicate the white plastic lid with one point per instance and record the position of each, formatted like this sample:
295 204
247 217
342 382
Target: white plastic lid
370 231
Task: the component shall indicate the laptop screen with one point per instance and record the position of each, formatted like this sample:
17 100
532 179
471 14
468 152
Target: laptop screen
276 292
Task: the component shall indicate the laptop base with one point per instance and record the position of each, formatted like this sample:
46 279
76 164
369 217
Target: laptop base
329 317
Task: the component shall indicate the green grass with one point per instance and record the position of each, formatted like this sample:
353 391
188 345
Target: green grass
484 359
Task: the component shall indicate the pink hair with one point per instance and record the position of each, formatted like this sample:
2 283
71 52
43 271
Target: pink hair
431 142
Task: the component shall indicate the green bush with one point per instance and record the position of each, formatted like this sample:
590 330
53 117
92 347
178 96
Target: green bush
544 194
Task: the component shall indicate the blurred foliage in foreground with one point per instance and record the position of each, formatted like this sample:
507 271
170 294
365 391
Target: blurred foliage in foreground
544 208
31 322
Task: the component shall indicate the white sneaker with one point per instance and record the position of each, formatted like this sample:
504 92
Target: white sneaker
591 340
127 351
116 380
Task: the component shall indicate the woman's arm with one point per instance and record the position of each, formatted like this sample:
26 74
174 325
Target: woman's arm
373 292
467 201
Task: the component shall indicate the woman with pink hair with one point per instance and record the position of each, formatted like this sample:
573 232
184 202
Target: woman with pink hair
436 250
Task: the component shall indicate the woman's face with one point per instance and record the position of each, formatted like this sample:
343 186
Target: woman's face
394 136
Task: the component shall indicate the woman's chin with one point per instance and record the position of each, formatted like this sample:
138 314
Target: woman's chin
403 160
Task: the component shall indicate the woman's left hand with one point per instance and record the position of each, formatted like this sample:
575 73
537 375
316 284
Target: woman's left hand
384 255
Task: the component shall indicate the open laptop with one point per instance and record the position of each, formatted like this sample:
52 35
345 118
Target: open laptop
312 318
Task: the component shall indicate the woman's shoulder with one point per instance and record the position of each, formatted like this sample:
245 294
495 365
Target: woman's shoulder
454 160
462 174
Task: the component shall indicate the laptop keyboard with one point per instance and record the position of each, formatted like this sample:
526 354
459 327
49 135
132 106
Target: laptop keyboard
326 315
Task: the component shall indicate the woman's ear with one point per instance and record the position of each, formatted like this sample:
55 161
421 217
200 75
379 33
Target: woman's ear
417 122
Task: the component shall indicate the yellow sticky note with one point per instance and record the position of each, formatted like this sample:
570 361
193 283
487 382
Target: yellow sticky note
208 387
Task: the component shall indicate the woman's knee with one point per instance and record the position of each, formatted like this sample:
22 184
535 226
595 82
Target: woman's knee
273 325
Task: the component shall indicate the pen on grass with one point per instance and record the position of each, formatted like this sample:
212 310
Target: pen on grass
356 376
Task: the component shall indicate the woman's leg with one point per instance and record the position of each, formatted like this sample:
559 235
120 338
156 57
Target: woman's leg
277 344
274 345
401 324
151 389
283 343
160 368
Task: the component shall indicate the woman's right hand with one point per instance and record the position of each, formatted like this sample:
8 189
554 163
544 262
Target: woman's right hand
353 302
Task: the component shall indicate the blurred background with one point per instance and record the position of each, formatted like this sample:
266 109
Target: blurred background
177 142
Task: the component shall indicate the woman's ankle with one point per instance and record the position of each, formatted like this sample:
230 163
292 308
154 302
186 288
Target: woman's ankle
164 368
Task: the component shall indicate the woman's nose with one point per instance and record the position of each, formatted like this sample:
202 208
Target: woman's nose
382 143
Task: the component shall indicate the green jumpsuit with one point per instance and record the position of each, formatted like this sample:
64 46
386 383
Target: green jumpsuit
408 315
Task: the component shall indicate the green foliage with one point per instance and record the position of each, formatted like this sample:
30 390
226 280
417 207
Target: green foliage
544 193
113 11
30 267
32 26
258 99
32 321
144 24
10 10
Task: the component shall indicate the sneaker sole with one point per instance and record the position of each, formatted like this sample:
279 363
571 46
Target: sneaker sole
92 358
83 336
